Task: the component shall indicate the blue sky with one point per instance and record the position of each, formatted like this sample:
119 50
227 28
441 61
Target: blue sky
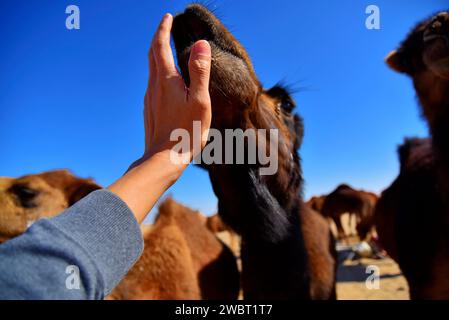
73 99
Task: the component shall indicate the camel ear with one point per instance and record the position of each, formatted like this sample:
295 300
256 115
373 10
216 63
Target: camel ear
395 61
74 188
79 189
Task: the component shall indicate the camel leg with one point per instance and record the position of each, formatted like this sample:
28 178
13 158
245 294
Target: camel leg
354 223
340 230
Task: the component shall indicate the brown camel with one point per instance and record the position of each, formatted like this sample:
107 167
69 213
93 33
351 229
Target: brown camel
345 199
27 199
416 206
182 259
287 248
316 203
411 221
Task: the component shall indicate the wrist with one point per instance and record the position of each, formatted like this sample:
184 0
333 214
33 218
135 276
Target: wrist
145 182
164 164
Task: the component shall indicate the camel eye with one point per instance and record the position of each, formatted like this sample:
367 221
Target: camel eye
25 195
287 105
280 93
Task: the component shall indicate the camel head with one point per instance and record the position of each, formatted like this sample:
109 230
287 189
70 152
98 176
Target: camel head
316 203
240 102
29 198
238 99
424 56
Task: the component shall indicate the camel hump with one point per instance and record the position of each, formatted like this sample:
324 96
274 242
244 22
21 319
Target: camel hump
170 209
344 186
167 207
343 190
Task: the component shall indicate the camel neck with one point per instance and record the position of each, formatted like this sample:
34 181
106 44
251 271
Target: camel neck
272 242
281 265
440 135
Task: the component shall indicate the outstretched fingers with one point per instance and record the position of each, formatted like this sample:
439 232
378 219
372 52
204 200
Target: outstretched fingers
162 52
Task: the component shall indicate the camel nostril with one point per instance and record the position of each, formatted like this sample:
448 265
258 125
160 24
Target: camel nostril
435 30
189 28
436 26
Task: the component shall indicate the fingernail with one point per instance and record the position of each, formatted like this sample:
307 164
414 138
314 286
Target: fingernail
201 49
167 16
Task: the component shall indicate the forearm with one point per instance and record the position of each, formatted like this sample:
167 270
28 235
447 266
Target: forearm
144 184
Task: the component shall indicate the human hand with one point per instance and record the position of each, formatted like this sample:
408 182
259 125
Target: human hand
169 105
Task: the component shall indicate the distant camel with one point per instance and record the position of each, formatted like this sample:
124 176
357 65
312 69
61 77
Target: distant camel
316 203
345 199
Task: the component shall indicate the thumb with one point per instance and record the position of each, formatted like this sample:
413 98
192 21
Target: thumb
199 67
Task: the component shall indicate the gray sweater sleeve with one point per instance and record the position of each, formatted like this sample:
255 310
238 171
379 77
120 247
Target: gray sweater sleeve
81 254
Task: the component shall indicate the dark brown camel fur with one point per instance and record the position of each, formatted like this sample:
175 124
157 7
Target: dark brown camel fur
287 248
416 206
182 259
410 221
345 199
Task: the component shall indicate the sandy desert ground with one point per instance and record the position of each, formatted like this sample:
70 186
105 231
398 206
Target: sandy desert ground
352 276
352 271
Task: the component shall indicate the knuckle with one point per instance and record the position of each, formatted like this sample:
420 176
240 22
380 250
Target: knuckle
199 66
158 43
201 99
166 78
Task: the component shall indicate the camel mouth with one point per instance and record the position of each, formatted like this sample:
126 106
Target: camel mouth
429 38
195 23
437 49
233 83
198 23
436 55
436 42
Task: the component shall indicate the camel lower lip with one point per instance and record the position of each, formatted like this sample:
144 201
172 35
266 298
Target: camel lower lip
434 37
